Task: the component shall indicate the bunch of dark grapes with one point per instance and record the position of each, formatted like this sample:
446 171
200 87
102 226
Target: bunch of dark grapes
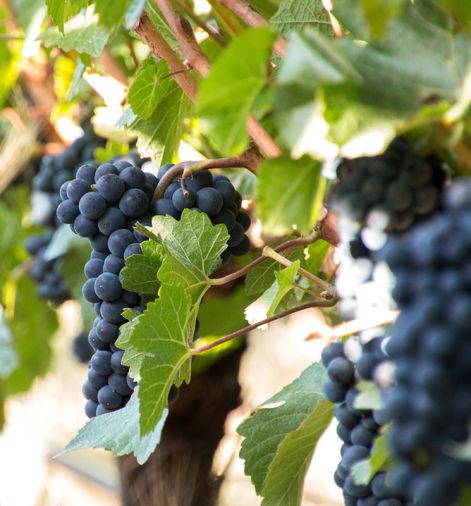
376 197
53 172
358 428
431 347
386 193
103 204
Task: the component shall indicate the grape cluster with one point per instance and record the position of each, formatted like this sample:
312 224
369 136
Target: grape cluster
387 193
53 172
358 428
431 347
103 203
375 198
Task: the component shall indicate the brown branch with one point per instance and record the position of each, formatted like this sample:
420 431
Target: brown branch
209 29
240 332
185 37
159 47
293 243
250 16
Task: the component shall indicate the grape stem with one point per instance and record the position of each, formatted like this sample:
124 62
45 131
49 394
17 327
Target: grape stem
274 255
186 169
292 243
240 332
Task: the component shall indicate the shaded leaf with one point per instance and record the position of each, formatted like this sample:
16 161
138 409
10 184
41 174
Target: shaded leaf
280 440
119 432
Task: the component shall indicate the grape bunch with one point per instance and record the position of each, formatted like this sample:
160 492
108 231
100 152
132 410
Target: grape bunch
103 203
387 193
376 198
358 428
53 172
431 347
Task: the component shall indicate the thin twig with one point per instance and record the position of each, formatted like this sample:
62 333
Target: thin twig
240 332
186 169
250 16
292 243
271 253
209 29
159 47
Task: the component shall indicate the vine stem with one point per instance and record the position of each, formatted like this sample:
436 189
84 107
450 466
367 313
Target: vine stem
186 169
249 15
240 332
292 243
274 255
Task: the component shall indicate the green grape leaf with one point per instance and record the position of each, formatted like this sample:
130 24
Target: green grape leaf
316 254
379 460
281 436
227 95
193 249
162 332
261 278
152 82
140 273
269 301
111 12
8 355
119 432
81 34
159 136
61 11
289 194
298 14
